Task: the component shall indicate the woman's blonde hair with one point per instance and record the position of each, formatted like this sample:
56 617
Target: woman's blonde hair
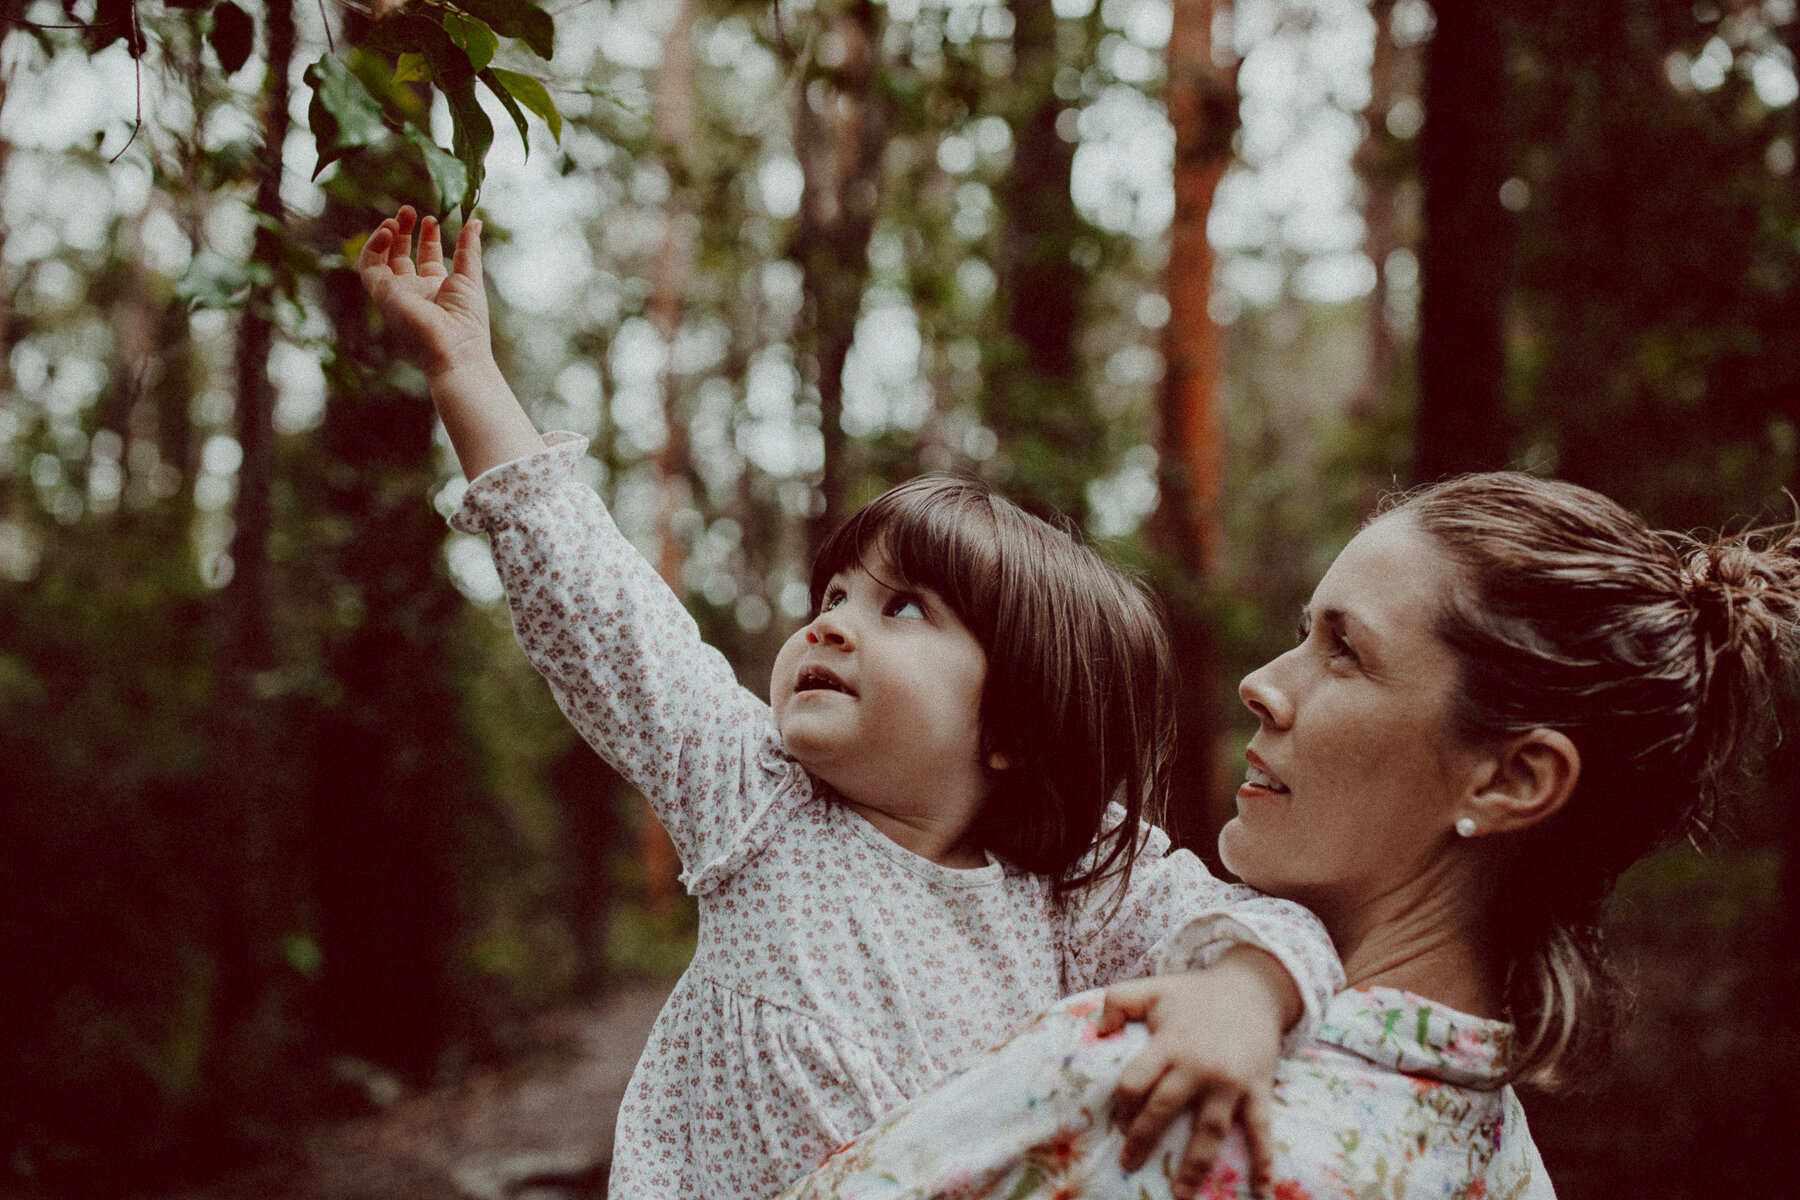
1659 656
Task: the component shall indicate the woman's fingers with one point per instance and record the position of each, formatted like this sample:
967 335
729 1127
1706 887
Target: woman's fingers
1212 1122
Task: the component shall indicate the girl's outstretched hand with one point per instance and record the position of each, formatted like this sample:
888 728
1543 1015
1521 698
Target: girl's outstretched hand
1215 1036
439 314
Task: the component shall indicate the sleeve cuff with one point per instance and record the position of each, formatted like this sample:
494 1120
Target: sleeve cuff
1203 940
499 489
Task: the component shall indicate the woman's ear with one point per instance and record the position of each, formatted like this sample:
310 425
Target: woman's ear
997 761
1533 777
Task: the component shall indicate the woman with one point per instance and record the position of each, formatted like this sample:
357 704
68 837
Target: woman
1506 691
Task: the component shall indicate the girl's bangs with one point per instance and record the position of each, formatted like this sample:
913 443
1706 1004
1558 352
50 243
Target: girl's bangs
933 534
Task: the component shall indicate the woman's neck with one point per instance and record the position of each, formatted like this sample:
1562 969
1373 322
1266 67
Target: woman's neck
1429 944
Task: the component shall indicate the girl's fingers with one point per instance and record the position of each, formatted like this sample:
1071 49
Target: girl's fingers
431 248
374 251
400 252
1258 1141
1212 1122
1161 1107
468 250
1137 1079
1123 1003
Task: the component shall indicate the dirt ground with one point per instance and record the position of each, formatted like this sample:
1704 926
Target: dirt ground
539 1128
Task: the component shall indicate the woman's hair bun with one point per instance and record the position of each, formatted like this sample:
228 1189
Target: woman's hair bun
1744 591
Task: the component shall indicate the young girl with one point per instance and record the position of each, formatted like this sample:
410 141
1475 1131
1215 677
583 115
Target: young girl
911 849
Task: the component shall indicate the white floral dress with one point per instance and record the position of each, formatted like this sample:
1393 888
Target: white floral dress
837 974
1395 1099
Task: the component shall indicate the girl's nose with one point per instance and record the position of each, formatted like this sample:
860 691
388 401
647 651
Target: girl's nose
1263 695
829 629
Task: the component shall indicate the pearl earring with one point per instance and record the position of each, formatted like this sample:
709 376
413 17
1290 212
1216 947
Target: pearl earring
1465 826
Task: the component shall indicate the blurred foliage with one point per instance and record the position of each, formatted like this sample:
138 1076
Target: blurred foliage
431 857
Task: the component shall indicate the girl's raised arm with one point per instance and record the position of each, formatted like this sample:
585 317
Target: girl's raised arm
440 315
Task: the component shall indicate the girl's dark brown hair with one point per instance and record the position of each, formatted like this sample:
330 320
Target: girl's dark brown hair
1656 653
1079 671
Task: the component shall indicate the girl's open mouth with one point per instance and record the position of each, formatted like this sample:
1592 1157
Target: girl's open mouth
815 679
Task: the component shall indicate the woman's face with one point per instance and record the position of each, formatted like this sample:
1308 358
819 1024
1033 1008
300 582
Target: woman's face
1353 783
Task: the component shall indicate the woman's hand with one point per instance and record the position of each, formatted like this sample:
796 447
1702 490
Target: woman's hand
1215 1036
439 314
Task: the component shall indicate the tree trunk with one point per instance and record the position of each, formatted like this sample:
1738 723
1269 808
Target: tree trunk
668 298
1033 394
1385 167
247 788
1187 527
840 133
1461 419
1203 107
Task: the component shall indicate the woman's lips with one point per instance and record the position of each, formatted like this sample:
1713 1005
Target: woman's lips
1258 775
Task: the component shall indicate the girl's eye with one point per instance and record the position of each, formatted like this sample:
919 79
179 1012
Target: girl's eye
833 598
906 606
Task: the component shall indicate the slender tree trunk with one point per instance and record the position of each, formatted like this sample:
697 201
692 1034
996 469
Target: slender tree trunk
1187 527
1203 107
1784 766
668 298
5 154
247 788
1385 167
1461 419
840 132
1034 397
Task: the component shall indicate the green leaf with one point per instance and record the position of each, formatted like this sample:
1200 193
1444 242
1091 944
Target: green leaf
448 175
342 114
516 19
473 37
533 95
214 281
232 37
511 105
411 68
472 134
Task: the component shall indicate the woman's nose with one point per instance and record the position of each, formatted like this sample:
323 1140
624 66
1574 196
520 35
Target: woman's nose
1262 694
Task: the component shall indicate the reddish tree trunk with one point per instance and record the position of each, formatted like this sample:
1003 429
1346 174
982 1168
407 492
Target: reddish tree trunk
1202 103
1187 526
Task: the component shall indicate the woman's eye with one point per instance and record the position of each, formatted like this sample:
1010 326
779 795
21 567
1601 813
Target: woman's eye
1301 633
1341 649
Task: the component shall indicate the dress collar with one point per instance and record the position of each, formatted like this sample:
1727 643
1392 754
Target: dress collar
1417 1036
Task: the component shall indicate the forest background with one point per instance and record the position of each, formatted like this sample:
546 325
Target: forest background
288 827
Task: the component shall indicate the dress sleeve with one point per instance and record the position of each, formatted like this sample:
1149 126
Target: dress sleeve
1179 916
627 666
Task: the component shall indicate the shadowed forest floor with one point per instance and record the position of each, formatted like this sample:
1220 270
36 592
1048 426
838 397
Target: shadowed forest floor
539 1128
1698 1104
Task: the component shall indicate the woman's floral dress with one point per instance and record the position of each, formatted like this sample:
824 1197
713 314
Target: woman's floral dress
1395 1099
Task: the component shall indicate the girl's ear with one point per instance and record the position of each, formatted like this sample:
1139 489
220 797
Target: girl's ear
1533 777
997 761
